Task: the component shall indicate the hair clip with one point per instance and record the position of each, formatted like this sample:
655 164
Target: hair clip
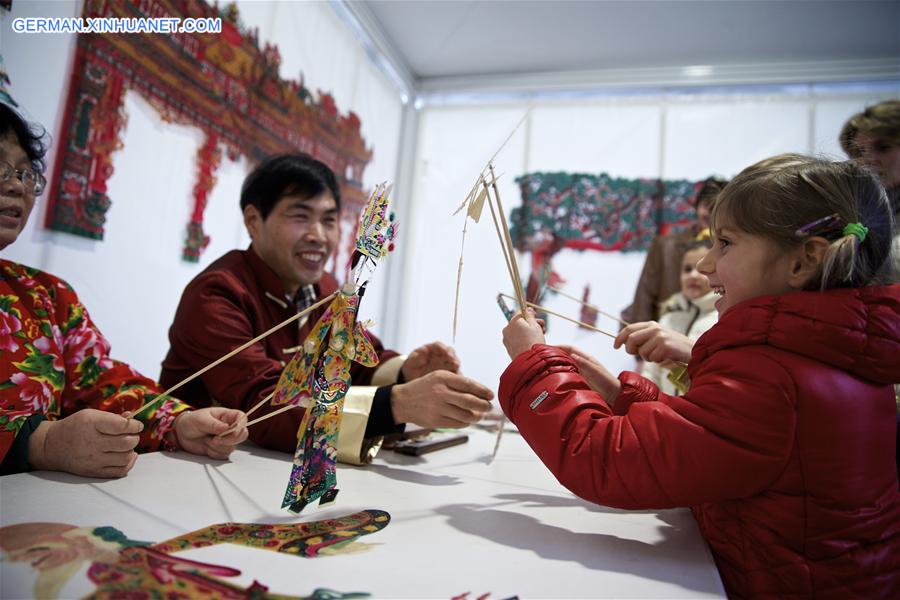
823 223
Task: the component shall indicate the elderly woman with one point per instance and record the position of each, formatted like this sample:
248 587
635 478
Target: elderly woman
65 405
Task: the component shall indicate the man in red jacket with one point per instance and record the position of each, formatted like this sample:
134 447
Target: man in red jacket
291 207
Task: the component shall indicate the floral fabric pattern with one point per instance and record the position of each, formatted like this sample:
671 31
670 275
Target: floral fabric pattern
56 362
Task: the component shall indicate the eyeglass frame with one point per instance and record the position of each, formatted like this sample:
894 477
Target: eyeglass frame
39 182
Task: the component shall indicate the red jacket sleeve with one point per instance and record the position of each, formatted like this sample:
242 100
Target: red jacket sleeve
730 436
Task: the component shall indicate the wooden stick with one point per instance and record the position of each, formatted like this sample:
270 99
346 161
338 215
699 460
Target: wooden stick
500 425
669 364
511 133
459 268
260 403
272 414
469 196
561 316
215 363
517 280
583 303
500 237
248 413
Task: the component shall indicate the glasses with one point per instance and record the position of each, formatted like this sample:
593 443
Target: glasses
33 182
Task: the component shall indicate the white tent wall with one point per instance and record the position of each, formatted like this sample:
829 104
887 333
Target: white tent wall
132 280
669 135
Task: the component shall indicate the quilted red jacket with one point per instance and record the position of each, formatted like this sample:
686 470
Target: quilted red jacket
784 446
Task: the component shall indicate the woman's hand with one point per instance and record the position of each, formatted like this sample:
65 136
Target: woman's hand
198 431
92 443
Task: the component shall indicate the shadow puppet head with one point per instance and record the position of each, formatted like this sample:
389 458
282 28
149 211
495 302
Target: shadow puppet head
57 550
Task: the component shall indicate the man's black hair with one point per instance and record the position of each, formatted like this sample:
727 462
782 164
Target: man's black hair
709 191
30 136
285 175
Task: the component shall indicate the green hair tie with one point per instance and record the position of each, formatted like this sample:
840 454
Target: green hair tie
857 229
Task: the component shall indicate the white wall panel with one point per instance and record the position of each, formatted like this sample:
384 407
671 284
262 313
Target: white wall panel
704 138
618 138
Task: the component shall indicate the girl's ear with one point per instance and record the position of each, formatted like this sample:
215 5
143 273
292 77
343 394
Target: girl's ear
807 262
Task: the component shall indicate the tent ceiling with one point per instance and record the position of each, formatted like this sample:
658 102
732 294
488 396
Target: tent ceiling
439 41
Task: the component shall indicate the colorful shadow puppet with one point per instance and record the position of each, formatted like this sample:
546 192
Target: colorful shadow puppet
123 567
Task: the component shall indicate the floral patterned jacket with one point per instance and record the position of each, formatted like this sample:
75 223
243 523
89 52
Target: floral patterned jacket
54 362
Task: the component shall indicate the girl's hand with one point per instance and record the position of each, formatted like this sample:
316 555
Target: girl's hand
595 374
522 333
655 343
198 431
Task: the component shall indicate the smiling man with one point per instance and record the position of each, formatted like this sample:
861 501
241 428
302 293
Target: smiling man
291 206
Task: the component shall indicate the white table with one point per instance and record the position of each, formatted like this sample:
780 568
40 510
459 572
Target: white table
458 524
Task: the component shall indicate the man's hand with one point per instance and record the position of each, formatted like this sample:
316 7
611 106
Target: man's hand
92 443
595 374
440 399
522 333
428 358
655 343
198 431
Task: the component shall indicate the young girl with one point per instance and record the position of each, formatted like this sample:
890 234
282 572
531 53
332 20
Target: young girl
690 312
784 444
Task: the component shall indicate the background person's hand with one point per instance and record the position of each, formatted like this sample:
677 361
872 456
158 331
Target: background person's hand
198 431
595 374
521 333
92 443
440 399
655 343
429 358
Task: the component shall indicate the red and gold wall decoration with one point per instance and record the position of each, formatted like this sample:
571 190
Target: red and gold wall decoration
222 83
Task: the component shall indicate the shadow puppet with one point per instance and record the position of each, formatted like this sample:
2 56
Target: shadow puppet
119 565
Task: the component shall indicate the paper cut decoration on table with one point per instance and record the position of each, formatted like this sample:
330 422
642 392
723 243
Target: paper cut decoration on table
154 574
120 565
318 375
329 536
149 573
57 550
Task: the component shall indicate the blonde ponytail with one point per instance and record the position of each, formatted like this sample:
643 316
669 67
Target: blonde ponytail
840 263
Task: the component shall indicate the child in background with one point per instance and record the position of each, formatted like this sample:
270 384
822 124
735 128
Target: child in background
784 445
690 312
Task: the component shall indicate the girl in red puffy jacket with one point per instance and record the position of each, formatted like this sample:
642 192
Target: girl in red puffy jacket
784 444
